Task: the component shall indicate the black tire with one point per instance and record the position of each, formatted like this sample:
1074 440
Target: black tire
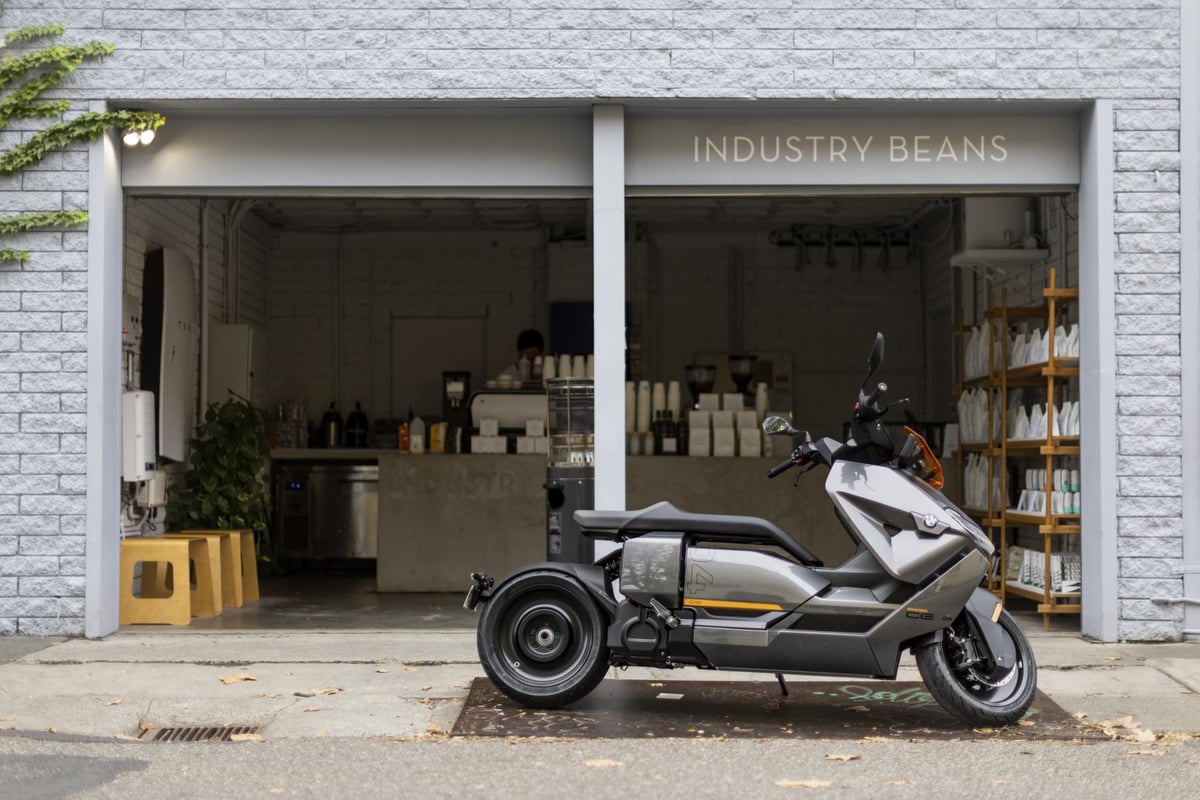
999 698
541 640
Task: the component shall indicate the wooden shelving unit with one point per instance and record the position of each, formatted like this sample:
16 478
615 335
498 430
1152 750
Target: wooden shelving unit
1000 450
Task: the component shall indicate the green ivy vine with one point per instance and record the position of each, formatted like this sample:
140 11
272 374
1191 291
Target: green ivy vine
27 77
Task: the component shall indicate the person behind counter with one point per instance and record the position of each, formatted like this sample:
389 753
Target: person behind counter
529 346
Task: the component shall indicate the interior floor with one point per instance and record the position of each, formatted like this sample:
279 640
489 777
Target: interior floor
350 602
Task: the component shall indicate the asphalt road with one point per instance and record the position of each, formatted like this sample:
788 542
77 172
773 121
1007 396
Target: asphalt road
45 768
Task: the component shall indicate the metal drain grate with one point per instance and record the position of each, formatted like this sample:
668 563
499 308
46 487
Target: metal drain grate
201 734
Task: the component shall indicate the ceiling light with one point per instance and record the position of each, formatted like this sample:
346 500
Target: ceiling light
131 138
147 136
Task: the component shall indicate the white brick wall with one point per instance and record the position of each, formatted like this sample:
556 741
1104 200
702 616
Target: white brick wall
1125 50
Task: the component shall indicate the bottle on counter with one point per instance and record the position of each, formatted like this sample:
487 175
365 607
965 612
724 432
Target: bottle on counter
670 434
331 427
356 427
416 436
403 437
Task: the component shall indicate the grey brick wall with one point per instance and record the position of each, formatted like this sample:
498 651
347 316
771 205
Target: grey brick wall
1126 50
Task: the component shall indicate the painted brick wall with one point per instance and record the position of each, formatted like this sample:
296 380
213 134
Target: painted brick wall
1126 50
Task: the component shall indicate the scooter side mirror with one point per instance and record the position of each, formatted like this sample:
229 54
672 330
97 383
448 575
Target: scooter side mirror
774 425
876 357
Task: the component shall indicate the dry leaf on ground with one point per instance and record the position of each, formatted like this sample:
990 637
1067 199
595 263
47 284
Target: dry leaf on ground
841 757
601 762
7 718
412 669
858 708
276 790
240 677
809 784
874 739
116 701
312 708
383 670
145 726
270 695
320 735
246 737
1026 723
51 730
1112 658
900 782
125 737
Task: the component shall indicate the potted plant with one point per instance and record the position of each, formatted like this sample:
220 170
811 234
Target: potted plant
224 487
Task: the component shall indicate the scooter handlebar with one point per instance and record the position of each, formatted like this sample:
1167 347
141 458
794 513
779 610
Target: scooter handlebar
779 469
873 399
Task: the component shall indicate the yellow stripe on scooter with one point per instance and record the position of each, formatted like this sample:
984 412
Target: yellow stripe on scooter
731 604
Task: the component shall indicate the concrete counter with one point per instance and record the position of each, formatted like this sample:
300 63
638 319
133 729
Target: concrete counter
442 517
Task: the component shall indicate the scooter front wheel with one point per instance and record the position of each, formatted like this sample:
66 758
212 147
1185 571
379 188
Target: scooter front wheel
541 640
970 691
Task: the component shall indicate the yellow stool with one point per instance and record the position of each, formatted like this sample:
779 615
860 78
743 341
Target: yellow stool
179 606
249 563
230 583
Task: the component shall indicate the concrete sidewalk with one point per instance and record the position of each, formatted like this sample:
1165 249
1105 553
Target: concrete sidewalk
412 683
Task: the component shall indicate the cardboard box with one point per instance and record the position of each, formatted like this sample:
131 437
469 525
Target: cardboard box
722 419
699 442
733 401
710 402
723 443
489 444
749 443
535 427
699 420
489 427
746 420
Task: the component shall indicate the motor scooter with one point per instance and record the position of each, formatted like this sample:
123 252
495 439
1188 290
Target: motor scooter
738 593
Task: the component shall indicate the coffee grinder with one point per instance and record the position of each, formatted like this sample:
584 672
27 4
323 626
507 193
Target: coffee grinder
456 411
700 380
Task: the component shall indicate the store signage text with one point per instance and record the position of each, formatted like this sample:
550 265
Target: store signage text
831 149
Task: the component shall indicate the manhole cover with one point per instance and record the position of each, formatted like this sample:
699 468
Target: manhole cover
198 733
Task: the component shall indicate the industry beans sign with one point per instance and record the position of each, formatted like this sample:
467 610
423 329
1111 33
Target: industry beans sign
994 150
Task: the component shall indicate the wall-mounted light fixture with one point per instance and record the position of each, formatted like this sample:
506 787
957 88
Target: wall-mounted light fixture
133 137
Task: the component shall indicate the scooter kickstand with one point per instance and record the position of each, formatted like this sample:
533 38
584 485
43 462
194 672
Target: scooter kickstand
782 685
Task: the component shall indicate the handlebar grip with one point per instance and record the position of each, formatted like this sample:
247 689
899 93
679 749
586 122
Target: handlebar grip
781 468
880 388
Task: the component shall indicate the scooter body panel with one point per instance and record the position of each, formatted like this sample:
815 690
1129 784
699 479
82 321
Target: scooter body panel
733 579
908 526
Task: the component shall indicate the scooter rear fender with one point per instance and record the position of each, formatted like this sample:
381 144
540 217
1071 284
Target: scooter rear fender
592 578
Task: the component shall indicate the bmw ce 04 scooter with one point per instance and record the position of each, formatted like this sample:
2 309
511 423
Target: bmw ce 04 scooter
738 593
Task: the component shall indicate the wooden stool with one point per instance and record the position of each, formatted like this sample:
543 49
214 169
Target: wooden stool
230 584
249 563
156 585
179 606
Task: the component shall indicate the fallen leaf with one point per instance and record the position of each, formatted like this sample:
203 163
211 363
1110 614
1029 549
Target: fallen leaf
412 669
383 670
7 718
115 702
303 694
841 757
874 739
1144 737
1112 658
1146 753
601 762
312 708
320 735
1080 715
426 688
270 695
858 708
145 726
276 790
1026 723
51 730
900 782
812 784
985 730
125 737
240 677
246 737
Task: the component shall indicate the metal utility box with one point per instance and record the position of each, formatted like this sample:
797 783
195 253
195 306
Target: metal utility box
570 469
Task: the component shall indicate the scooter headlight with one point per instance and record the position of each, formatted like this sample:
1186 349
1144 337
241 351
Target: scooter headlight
971 528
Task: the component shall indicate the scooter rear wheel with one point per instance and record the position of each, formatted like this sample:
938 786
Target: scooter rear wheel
1000 697
541 640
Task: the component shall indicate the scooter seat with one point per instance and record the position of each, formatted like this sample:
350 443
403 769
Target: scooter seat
718 527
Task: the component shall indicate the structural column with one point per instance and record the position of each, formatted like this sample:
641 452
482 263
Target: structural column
608 277
1189 273
103 538
1097 374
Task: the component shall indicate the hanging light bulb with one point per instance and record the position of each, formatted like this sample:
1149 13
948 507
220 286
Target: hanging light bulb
131 138
146 136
